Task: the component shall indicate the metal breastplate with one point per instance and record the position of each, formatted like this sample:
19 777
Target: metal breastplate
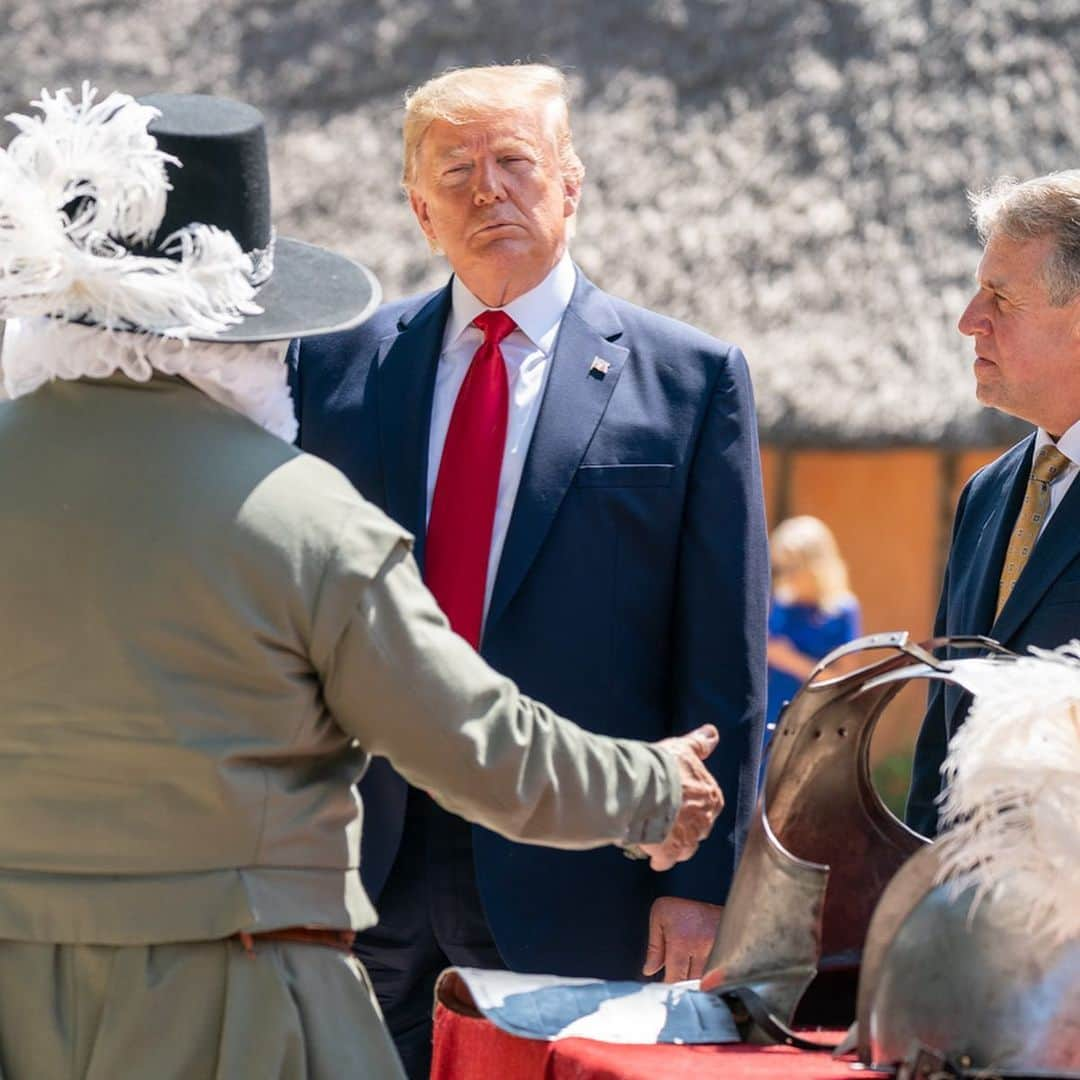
822 845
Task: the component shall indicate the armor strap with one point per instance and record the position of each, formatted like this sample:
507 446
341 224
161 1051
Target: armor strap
750 1010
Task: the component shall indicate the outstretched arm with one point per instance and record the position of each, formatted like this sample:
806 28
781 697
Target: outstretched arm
397 677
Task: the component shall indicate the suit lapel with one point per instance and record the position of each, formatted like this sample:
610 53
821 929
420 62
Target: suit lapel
575 398
1053 552
980 591
973 591
407 365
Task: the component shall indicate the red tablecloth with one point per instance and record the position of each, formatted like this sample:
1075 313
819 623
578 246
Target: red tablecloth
471 1049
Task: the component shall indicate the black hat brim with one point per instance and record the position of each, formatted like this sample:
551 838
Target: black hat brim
311 291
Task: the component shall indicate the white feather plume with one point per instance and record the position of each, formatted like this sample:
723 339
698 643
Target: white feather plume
1012 801
78 183
99 152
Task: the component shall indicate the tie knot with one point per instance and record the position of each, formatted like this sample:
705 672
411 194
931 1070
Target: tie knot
1050 463
496 325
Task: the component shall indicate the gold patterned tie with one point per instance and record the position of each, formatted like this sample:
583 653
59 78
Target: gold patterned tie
1050 463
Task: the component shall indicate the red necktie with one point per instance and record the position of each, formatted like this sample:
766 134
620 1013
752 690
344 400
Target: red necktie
463 508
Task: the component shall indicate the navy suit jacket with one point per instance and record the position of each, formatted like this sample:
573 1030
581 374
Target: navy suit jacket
1043 609
630 596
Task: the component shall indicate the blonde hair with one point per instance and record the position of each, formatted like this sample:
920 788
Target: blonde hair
467 94
807 543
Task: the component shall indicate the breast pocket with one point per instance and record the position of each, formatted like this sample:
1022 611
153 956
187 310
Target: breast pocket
624 475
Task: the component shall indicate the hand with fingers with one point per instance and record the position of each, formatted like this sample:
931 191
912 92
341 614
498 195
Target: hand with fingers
681 935
702 799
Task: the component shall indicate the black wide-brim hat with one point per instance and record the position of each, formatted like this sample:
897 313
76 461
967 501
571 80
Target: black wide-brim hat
223 180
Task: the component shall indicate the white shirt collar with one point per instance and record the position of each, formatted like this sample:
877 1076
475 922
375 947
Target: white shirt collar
537 313
1068 444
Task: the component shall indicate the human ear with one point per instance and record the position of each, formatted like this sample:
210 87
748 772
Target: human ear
423 218
571 196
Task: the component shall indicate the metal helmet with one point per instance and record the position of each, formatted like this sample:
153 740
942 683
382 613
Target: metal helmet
950 986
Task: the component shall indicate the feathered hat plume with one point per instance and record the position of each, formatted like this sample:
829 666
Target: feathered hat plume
82 184
1012 804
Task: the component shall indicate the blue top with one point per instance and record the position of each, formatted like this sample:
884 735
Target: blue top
812 631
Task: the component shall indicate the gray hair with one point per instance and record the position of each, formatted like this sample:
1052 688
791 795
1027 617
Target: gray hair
1048 206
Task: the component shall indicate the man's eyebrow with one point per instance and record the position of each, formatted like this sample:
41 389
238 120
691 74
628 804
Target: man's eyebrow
993 284
461 150
506 142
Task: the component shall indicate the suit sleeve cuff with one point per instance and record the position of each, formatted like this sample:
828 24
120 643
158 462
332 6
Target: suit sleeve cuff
659 804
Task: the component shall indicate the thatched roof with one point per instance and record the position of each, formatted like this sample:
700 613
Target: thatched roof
787 174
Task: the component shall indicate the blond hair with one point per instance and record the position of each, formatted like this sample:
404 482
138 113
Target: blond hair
467 94
807 543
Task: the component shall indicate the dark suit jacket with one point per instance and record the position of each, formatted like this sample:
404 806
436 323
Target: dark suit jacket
1043 608
630 596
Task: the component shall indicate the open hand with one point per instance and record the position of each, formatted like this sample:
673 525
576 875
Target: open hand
681 935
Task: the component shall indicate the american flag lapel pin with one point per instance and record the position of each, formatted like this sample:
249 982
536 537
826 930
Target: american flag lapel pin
599 367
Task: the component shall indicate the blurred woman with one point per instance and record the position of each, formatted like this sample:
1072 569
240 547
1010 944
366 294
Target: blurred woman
813 609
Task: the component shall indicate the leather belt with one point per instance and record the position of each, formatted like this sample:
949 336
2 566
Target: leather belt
341 940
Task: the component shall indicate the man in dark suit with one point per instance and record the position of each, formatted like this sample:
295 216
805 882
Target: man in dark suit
1014 566
583 483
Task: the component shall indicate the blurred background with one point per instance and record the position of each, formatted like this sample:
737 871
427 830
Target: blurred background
786 174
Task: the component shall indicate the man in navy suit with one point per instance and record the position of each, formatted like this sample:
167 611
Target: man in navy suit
1014 566
588 511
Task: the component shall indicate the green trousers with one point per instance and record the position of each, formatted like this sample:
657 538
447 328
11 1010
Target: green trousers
188 1012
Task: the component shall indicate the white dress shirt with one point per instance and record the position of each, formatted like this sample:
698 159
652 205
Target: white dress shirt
1069 445
527 354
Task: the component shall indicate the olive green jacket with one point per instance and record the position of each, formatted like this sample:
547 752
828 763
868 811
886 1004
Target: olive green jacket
205 635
